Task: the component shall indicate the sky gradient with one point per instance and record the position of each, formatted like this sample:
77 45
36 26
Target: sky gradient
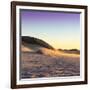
59 29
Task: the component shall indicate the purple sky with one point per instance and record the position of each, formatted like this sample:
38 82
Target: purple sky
56 26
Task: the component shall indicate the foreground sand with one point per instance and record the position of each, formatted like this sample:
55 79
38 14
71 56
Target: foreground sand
35 65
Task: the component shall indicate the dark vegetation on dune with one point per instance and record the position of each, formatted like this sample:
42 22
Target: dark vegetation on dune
27 40
76 51
32 40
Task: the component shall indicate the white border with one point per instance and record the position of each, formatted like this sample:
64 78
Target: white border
51 79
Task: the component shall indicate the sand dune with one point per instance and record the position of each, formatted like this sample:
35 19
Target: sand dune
45 51
39 59
26 49
55 53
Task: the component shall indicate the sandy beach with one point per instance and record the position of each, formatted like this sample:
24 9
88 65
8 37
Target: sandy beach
35 65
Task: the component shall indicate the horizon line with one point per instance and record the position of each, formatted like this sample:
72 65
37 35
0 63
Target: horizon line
53 46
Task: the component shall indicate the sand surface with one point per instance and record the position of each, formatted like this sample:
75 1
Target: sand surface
35 65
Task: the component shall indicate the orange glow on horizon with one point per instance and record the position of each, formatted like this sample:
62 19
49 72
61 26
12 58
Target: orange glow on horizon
63 44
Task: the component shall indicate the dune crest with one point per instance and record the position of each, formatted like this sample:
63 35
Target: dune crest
55 53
